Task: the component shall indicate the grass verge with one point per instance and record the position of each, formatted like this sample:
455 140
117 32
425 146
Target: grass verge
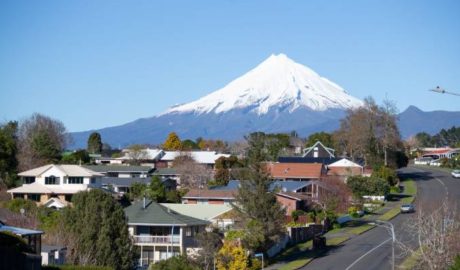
336 240
361 229
410 262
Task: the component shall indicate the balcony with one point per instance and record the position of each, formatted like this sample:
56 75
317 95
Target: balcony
153 239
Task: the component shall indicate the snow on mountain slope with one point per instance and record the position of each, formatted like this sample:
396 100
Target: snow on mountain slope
278 82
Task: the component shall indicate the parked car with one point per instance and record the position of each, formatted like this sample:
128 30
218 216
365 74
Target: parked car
456 173
407 208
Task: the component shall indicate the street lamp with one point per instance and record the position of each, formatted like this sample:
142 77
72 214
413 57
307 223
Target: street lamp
391 228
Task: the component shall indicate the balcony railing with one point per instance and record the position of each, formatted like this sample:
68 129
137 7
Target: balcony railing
153 239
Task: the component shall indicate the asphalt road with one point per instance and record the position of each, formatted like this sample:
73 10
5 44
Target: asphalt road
373 249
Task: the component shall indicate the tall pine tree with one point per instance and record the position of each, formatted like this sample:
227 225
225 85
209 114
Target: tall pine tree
256 204
94 143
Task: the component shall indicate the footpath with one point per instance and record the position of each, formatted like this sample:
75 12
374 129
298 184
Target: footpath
301 254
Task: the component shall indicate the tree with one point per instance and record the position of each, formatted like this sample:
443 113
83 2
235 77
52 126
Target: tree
232 257
136 153
210 244
436 233
172 143
362 185
98 231
137 191
193 175
156 190
370 132
176 262
325 138
77 157
262 215
189 145
94 143
8 151
41 140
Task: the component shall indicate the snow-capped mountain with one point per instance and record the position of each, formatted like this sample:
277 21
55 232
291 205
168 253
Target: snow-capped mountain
279 95
278 82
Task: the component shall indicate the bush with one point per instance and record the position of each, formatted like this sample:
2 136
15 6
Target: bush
386 173
394 189
296 213
17 204
176 262
74 267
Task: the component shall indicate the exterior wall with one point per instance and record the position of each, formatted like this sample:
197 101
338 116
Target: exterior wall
288 204
215 201
322 153
345 171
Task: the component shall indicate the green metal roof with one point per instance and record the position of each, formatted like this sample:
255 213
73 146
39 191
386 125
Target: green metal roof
156 214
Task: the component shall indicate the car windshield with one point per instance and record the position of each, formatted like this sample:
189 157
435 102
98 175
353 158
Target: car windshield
407 205
456 171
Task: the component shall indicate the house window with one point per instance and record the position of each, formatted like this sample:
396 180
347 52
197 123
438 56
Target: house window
33 197
52 180
188 231
93 180
75 180
29 179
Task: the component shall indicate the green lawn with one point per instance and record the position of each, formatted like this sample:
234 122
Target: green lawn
361 229
336 240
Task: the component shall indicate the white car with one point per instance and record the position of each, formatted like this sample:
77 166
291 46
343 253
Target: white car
456 173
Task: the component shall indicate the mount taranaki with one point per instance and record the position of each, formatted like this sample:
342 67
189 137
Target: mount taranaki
279 95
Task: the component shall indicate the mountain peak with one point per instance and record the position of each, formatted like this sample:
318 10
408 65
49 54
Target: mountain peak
277 82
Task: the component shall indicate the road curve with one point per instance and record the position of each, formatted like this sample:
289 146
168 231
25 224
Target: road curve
433 187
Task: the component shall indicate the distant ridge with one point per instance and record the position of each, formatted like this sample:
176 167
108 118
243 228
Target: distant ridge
413 120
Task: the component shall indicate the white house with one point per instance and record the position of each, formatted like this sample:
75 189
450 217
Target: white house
207 158
55 184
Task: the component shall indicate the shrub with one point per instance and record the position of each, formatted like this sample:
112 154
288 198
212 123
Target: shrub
296 213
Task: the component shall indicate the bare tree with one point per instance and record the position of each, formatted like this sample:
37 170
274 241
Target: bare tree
41 140
436 233
192 174
136 153
334 195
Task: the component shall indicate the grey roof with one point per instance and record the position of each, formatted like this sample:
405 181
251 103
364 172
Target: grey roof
291 186
156 214
325 161
166 171
118 168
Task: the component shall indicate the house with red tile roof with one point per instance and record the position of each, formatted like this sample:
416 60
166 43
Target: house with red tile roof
296 171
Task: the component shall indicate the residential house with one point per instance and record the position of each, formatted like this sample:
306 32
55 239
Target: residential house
296 171
344 168
318 150
219 215
160 232
122 171
147 157
55 182
292 195
33 238
209 196
207 158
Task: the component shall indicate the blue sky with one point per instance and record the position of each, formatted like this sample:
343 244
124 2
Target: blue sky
94 64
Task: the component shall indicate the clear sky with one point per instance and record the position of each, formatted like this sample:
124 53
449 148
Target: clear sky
94 64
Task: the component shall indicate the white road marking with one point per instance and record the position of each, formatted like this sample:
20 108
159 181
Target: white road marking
367 253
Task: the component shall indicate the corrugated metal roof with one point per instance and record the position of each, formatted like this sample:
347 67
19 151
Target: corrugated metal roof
200 211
